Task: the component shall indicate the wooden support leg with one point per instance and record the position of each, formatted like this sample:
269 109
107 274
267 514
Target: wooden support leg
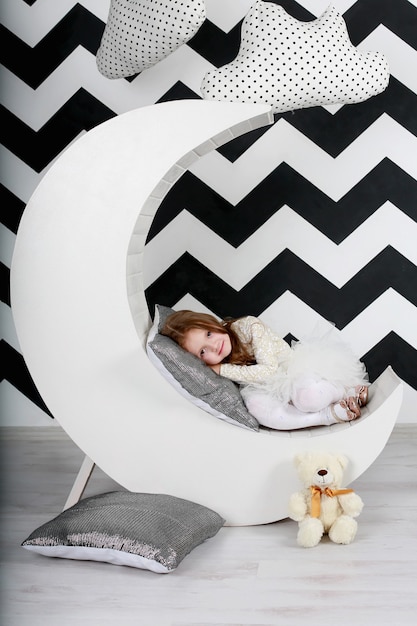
80 483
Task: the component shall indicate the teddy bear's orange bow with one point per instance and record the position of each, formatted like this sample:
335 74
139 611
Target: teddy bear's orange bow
316 493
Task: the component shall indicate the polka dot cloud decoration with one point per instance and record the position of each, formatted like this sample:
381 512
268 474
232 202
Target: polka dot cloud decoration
289 64
139 33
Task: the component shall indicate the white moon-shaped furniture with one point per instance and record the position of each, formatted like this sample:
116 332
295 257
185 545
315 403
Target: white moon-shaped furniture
82 319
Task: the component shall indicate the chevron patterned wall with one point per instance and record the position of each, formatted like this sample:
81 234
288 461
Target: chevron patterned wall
313 217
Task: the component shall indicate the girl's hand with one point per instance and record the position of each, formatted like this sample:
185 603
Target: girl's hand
215 368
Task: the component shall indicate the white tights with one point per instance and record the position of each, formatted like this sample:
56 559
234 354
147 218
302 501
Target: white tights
310 405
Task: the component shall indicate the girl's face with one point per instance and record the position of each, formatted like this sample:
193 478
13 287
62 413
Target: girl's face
209 346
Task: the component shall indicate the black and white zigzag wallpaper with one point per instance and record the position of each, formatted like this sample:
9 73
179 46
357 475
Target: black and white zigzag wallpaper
312 217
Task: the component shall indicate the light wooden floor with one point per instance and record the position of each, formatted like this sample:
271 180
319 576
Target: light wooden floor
243 576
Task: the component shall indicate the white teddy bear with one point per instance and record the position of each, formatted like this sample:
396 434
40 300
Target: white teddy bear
323 507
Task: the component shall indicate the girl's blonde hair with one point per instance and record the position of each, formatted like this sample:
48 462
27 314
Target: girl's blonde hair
179 323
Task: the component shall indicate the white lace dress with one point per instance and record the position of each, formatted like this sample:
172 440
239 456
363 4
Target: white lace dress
280 369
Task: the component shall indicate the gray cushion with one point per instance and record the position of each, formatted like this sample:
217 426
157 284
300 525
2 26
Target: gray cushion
143 530
215 394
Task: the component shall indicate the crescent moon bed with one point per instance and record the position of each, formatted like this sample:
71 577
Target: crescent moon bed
81 317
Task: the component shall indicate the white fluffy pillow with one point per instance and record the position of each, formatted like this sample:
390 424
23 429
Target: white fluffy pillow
289 64
139 33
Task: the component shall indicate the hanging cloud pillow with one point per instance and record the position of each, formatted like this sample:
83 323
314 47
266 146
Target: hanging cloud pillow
139 33
289 64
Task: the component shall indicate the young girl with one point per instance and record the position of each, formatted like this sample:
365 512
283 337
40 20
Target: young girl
315 382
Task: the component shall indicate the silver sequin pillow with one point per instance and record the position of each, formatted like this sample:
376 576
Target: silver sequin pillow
139 33
289 64
192 378
142 530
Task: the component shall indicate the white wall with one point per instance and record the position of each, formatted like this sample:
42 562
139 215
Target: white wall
384 138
